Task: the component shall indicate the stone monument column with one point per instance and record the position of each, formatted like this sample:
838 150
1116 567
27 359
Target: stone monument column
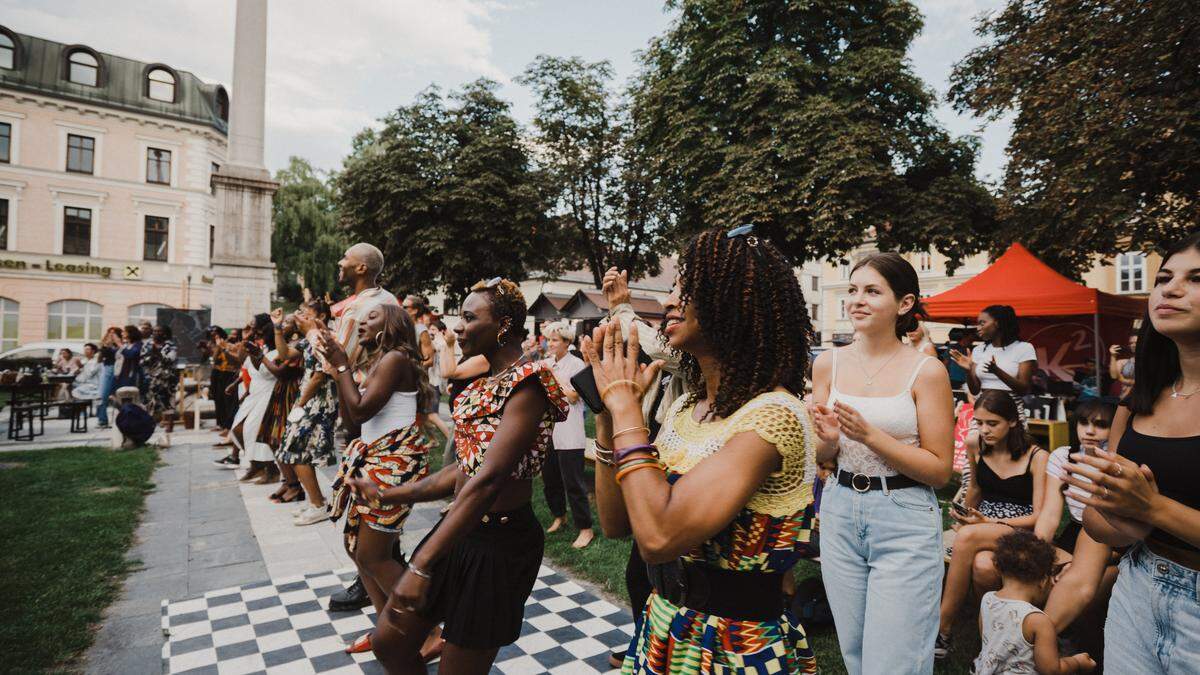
243 274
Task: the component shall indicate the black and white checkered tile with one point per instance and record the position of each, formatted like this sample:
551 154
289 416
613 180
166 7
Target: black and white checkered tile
282 627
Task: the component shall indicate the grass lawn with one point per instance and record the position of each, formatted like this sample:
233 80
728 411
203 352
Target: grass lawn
66 520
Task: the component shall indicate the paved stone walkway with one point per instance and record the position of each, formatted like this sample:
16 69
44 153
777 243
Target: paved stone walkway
205 536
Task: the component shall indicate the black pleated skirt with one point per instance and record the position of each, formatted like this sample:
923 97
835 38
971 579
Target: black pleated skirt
480 587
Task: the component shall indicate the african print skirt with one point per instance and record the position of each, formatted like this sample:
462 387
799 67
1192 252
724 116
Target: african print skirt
274 422
399 456
681 640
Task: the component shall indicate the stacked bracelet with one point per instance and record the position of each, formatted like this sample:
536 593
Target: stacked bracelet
604 455
621 455
636 463
630 430
418 571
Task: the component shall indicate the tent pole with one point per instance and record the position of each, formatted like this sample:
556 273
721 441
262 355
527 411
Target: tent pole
1096 343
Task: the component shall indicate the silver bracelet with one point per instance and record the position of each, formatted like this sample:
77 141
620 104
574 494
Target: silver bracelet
604 455
419 572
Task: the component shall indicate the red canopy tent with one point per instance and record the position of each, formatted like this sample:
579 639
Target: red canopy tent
1045 301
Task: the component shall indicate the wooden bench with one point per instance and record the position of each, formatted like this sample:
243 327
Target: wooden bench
77 412
21 418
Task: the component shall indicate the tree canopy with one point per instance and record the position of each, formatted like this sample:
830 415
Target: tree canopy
807 120
583 142
306 242
447 191
1105 150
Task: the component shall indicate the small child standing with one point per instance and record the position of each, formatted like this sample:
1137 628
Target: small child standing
1018 637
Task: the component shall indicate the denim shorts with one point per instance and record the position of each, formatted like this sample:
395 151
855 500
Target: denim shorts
1153 621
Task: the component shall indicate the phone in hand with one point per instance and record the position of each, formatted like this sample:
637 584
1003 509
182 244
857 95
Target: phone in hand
960 509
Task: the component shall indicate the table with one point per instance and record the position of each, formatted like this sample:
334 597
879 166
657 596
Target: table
1052 434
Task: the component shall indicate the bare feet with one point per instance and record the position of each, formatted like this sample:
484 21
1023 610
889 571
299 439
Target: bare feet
585 537
556 524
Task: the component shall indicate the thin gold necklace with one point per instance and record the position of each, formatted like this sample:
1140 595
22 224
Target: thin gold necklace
1175 391
863 367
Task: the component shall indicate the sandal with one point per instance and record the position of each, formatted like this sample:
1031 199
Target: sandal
278 496
361 645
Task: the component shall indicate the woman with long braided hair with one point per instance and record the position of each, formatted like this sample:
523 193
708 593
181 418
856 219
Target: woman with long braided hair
722 510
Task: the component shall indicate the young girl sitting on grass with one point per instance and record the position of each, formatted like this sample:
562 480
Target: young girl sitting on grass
1017 637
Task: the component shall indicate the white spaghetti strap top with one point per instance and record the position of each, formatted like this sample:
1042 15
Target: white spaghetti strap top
400 411
894 415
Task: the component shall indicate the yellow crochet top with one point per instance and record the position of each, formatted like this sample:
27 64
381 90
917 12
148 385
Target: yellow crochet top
778 417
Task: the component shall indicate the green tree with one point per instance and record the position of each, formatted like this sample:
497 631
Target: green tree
1105 150
806 119
448 194
583 142
306 243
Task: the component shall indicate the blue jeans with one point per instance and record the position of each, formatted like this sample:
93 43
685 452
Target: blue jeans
1153 621
882 564
108 382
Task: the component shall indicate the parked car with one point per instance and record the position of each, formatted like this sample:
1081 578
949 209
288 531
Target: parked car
37 354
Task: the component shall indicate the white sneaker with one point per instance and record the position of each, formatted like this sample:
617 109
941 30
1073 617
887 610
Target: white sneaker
311 515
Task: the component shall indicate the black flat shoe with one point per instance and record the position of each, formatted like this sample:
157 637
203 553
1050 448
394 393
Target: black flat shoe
353 598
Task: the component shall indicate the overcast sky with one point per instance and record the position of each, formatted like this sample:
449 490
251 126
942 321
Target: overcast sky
335 67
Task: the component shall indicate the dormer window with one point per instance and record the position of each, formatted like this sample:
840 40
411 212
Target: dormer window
160 85
8 52
222 104
83 68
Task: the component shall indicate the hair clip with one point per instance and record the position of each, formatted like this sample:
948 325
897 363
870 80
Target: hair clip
746 230
494 282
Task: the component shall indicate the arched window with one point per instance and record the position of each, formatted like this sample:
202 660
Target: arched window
83 68
222 104
73 320
9 313
160 85
8 51
147 311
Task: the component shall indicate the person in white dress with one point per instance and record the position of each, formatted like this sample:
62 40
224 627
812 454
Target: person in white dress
254 405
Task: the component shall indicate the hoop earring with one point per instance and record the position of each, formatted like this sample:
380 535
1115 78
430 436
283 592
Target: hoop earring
502 338
379 338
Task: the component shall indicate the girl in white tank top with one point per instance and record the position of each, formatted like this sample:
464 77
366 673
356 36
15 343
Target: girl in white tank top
883 413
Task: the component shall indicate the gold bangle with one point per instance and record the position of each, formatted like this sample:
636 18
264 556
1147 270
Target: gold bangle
636 387
630 430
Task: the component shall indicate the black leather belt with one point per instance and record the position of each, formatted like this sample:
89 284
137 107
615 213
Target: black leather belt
744 596
864 483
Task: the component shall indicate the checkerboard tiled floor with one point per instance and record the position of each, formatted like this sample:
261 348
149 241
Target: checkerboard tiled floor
282 627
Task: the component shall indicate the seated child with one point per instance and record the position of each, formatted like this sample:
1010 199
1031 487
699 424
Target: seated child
1017 636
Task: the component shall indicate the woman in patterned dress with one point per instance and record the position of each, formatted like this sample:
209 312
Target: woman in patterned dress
308 439
476 568
390 450
722 510
158 362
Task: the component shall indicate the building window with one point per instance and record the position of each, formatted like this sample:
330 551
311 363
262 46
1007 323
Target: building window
147 311
81 153
158 166
77 231
160 85
925 262
3 224
83 68
9 314
155 247
844 270
73 320
222 104
814 312
842 313
1131 272
8 52
216 168
816 284
5 140
212 241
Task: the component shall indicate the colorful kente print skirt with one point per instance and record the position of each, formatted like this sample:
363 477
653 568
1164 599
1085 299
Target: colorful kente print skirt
680 640
399 456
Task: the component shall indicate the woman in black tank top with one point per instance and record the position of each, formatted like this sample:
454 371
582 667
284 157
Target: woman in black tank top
994 505
1146 494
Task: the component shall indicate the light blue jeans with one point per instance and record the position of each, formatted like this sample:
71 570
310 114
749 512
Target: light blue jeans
107 380
1153 621
882 563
